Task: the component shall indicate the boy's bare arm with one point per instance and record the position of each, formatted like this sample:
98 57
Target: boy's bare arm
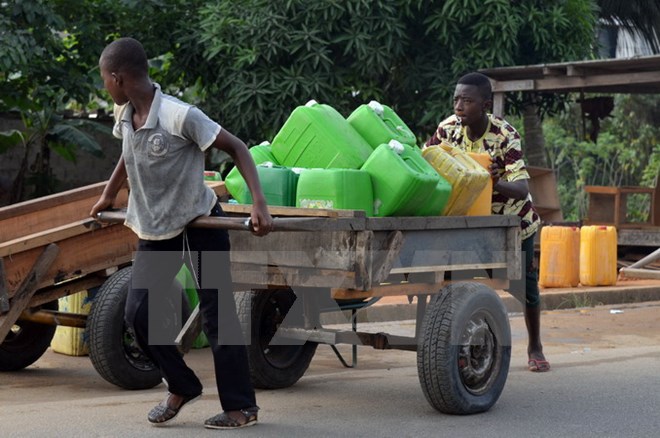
262 222
116 181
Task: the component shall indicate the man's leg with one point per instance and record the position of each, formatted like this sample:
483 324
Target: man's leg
533 323
536 358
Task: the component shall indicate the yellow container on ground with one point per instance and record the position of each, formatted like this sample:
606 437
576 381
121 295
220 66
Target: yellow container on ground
72 340
466 176
482 206
598 245
560 257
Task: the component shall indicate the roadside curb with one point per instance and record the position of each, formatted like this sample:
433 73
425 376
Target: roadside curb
552 299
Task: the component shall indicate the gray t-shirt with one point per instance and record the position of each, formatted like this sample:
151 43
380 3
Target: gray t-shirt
165 166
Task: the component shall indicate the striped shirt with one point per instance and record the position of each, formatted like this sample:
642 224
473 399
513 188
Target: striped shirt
502 142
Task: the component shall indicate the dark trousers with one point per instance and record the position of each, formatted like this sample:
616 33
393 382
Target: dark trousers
154 269
526 290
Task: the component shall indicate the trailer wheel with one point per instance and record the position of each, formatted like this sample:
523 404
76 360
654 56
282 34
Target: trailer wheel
112 346
464 349
26 342
271 366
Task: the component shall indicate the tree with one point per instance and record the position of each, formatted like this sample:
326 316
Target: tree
259 59
626 152
40 77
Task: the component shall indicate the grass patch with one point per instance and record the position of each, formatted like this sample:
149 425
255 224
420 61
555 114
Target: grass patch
574 301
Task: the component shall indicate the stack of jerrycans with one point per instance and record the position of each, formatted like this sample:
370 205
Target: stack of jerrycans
467 177
278 183
404 183
330 152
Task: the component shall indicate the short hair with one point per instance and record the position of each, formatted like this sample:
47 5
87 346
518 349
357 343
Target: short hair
125 54
480 81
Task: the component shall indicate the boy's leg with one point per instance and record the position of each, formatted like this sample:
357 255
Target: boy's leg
223 331
220 321
155 267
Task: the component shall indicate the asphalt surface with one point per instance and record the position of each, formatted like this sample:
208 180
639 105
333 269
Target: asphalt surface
604 382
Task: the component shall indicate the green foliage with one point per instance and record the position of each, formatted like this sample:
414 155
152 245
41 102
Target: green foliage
627 153
259 59
44 131
10 138
37 56
45 71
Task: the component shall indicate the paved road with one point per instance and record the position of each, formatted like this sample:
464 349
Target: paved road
605 382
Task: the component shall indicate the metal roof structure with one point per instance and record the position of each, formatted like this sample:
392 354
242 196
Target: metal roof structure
627 75
620 75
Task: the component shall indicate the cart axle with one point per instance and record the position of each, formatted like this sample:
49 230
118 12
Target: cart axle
379 341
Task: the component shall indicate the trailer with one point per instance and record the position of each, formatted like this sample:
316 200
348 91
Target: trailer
315 261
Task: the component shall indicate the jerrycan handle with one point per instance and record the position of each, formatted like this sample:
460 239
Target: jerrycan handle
377 107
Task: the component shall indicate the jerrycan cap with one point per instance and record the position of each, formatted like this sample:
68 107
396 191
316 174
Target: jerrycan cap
396 146
311 103
267 164
264 143
377 107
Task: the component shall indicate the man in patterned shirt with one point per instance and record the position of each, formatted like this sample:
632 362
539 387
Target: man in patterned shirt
473 129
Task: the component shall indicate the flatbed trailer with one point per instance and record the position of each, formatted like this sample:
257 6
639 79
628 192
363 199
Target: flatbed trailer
313 262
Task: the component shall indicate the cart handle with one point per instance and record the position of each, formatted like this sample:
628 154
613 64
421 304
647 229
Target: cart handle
227 223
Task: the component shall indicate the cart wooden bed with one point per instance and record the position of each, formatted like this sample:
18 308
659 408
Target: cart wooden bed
313 262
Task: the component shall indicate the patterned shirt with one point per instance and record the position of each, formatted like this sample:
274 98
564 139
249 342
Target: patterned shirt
502 142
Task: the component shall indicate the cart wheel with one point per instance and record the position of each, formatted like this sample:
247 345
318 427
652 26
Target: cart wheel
112 346
464 349
271 366
26 342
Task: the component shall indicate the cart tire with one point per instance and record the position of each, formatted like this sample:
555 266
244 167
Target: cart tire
112 347
464 349
26 342
276 366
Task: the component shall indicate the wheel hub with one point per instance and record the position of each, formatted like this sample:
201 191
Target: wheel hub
476 356
134 353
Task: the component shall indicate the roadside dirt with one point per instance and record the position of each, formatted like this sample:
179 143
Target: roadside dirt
601 327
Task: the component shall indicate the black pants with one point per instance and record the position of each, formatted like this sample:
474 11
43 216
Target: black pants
156 264
526 290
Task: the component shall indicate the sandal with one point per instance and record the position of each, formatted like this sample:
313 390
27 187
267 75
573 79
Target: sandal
225 421
163 413
538 365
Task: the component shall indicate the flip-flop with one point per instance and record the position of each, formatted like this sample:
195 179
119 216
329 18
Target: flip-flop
162 413
538 365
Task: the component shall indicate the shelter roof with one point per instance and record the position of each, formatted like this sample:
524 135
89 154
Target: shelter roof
620 75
